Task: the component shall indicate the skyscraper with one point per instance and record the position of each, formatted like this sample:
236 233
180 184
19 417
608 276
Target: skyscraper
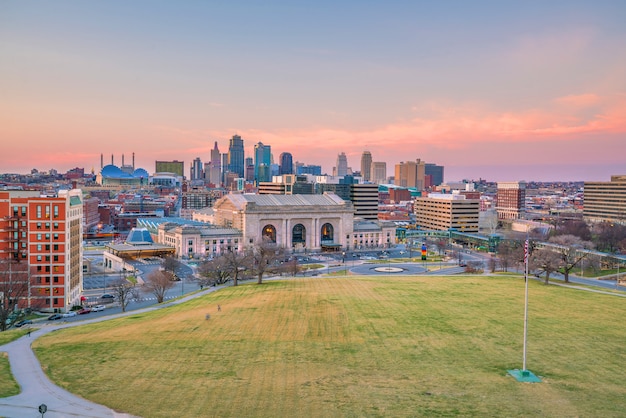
411 174
215 173
236 156
196 170
262 157
366 166
286 163
342 165
379 172
436 171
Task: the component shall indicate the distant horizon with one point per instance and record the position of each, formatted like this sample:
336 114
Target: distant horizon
496 90
491 173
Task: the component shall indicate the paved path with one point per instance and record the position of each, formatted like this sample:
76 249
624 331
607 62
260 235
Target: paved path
37 389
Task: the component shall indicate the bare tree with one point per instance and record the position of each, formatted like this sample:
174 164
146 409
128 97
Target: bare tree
158 283
610 236
509 253
14 286
170 264
236 263
264 257
214 271
441 244
292 267
544 260
576 227
124 291
491 221
571 252
493 264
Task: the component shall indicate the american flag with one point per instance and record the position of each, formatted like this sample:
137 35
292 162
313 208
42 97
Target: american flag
526 252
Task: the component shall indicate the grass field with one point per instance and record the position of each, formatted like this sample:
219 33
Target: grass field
354 347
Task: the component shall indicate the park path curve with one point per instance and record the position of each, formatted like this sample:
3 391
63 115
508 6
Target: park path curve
37 389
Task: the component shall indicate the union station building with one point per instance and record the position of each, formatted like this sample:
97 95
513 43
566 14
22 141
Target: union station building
296 222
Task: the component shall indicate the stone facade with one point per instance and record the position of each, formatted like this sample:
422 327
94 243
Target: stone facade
298 222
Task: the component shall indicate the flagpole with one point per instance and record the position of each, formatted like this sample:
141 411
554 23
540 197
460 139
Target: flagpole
525 375
525 303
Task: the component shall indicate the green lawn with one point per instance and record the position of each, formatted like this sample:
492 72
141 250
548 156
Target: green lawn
353 347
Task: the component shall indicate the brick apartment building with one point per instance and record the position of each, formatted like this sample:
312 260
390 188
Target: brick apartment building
41 235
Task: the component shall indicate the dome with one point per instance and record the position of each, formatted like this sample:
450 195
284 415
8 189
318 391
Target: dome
113 171
140 172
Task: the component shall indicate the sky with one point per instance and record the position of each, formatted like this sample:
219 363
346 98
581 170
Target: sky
498 90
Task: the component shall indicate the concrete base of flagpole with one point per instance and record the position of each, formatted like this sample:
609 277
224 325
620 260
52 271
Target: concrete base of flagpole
524 376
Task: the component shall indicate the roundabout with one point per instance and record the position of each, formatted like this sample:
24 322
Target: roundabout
387 268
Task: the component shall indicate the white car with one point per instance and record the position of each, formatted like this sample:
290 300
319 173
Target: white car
68 314
98 308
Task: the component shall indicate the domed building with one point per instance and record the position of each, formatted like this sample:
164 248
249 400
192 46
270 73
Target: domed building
112 175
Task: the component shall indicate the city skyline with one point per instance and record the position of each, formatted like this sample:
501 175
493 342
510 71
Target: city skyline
505 92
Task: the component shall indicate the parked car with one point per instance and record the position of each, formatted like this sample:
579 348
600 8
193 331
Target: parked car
107 296
84 311
98 308
55 316
69 314
23 322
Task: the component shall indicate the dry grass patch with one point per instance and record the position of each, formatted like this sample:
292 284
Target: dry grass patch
375 346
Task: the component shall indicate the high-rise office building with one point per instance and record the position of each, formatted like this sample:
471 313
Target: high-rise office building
286 163
366 166
262 157
236 156
249 177
511 199
42 236
436 173
196 170
215 170
442 212
341 169
411 174
605 201
379 172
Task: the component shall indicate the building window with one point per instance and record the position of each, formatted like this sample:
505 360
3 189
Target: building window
47 269
39 269
56 225
47 279
38 237
56 279
39 211
38 247
38 225
56 211
47 212
56 236
56 258
47 258
23 210
56 247
47 236
38 258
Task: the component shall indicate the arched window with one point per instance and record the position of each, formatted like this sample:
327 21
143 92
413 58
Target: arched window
327 233
269 233
298 235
